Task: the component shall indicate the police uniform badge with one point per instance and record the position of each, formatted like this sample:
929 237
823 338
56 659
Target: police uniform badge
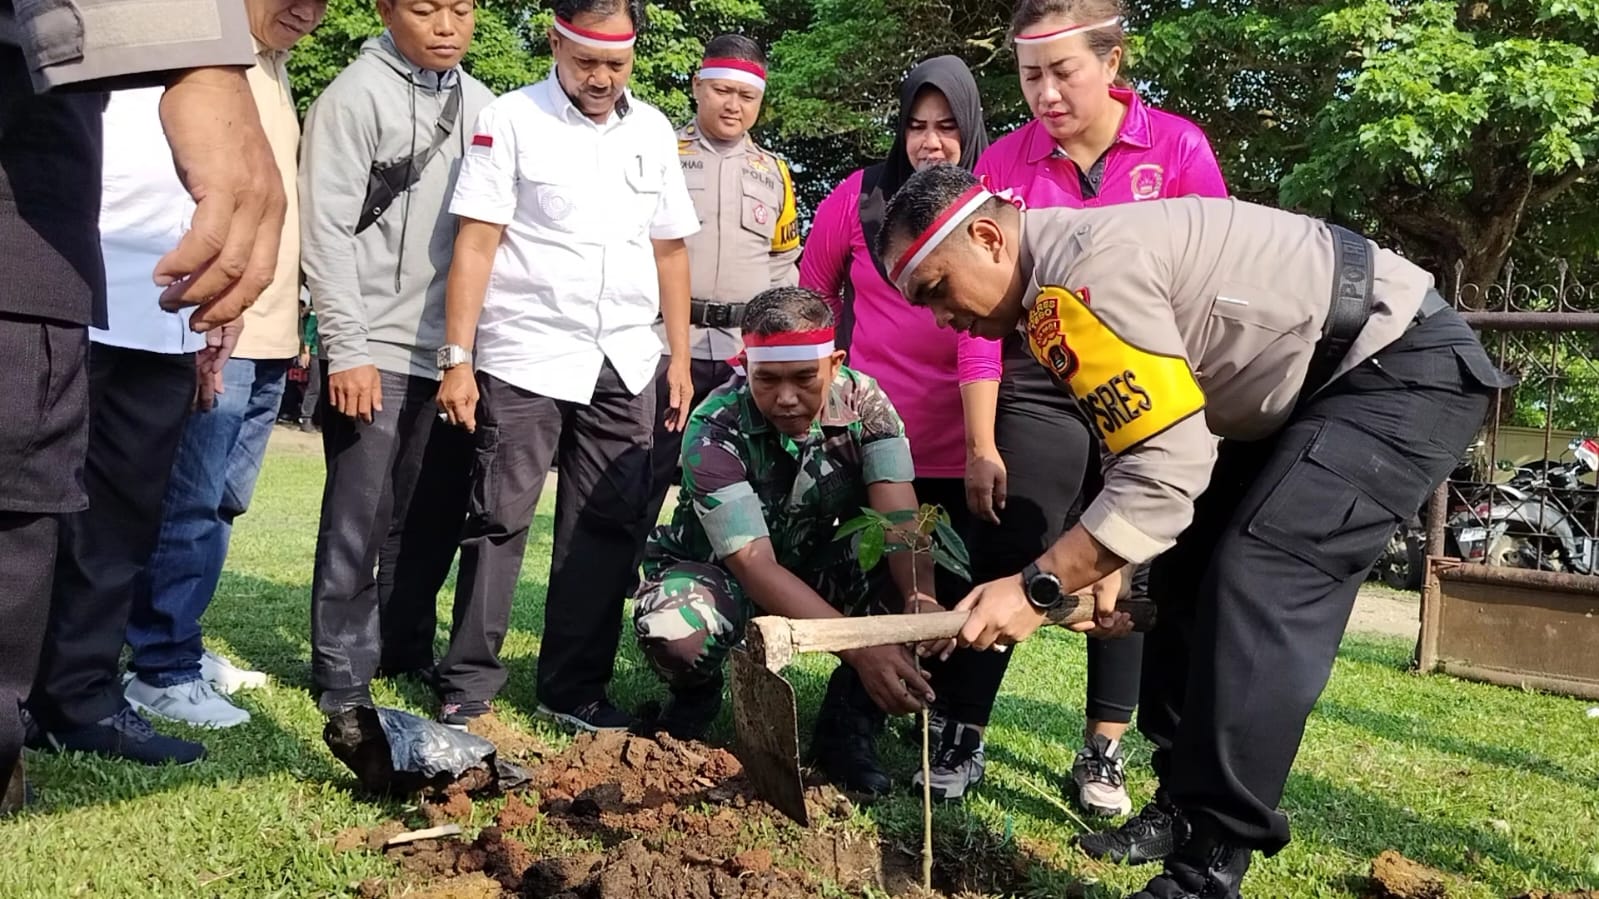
1129 393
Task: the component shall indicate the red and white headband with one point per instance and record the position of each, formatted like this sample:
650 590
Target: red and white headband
941 228
597 39
1045 37
740 70
793 346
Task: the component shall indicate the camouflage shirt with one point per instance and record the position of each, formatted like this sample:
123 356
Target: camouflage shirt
743 479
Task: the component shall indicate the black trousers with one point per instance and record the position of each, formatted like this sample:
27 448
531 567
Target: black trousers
665 473
311 392
392 509
1256 593
602 449
137 405
1052 463
44 433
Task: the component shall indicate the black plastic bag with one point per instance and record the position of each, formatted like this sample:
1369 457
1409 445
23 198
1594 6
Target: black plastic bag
392 751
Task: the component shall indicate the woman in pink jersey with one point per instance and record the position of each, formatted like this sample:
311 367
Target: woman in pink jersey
1092 142
940 120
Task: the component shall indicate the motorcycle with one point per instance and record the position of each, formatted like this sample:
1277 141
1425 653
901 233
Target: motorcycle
1544 518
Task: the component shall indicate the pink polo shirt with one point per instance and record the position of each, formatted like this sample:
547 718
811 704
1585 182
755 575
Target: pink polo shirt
899 345
1156 154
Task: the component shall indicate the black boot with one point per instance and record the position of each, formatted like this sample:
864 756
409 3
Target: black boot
1206 867
690 710
1153 834
844 745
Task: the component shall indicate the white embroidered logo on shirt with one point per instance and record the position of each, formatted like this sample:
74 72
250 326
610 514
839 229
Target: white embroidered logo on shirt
1147 179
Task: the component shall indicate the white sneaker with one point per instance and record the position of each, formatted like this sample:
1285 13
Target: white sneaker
227 677
1099 778
196 702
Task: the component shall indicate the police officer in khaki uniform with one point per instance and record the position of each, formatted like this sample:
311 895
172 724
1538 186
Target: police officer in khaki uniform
1343 389
749 228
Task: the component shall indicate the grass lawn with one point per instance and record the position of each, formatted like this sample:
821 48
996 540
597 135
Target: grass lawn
1497 786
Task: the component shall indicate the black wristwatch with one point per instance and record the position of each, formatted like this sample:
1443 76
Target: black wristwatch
1041 587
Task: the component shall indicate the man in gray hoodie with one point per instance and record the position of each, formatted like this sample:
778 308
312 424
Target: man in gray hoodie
377 168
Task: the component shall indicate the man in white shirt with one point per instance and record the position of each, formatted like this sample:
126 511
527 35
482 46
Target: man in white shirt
573 212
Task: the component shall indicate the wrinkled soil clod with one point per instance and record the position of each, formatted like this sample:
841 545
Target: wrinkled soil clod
1395 877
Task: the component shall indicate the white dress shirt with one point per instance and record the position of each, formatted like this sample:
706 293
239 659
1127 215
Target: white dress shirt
144 211
574 279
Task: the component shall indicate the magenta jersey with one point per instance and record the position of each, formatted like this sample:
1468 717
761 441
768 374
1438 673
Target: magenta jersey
899 345
1156 155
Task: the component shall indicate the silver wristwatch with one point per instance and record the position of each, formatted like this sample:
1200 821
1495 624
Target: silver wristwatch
450 355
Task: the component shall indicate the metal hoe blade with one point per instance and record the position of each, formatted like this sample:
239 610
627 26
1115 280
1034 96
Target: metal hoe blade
766 731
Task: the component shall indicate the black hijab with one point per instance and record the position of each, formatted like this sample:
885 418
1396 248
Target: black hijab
949 76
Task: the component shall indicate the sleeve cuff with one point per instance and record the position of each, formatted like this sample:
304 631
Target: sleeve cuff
978 359
734 521
674 230
493 213
888 461
1121 536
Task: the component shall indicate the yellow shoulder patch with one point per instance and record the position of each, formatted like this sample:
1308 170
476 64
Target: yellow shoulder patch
686 147
1131 394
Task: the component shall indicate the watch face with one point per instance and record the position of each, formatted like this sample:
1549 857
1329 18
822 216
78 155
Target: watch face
1043 590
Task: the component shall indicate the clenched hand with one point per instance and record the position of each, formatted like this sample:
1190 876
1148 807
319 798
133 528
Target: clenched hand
221 154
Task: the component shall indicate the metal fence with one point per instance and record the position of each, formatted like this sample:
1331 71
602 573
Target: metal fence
1525 496
1511 592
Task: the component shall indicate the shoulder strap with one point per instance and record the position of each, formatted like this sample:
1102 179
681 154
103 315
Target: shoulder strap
389 181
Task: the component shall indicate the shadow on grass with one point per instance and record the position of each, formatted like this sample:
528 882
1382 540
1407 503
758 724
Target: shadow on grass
1397 728
1362 824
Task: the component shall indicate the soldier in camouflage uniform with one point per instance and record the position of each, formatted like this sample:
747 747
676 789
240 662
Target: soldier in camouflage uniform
772 462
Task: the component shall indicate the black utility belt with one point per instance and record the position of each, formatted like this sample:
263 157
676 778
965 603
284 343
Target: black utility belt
705 314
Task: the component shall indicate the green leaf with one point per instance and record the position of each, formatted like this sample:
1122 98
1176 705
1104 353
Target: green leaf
951 542
869 549
854 525
949 562
903 516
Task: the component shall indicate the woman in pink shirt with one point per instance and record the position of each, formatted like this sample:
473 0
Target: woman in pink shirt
940 120
1091 142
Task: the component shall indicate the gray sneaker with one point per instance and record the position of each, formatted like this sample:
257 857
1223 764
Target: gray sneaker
957 762
1098 784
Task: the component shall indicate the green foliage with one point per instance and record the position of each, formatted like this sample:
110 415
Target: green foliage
923 530
1434 125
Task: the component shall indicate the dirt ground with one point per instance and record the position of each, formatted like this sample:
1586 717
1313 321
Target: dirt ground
622 817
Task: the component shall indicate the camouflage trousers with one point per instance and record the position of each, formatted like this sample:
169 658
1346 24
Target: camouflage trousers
689 615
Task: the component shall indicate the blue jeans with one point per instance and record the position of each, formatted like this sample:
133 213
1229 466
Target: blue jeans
212 480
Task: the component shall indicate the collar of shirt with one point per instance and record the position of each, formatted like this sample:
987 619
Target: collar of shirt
267 57
573 115
745 144
836 414
1134 132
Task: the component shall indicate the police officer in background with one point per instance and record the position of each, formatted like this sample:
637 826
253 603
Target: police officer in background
749 228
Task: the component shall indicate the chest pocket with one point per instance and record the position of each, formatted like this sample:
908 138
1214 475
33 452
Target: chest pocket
645 183
553 192
694 173
1246 319
761 199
